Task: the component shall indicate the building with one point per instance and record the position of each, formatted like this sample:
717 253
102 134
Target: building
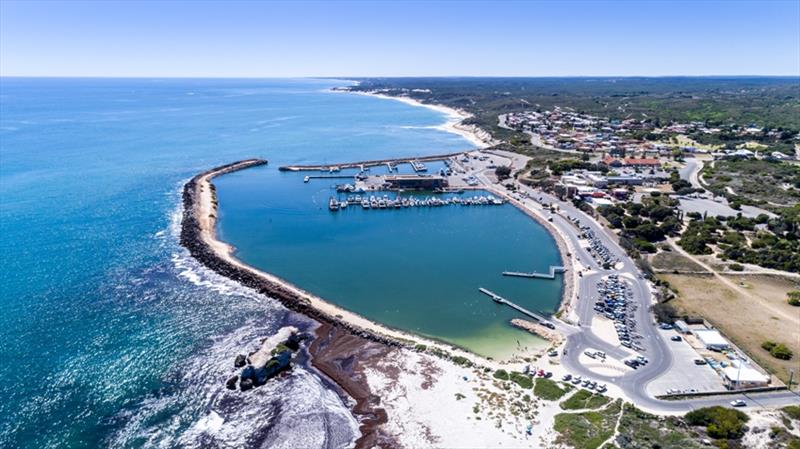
611 161
641 162
420 182
682 327
626 179
740 376
712 339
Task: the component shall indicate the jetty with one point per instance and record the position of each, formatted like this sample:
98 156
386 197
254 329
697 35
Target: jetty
363 165
500 300
418 166
551 275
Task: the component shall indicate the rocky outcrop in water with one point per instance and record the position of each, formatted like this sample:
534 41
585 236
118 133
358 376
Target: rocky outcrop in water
274 356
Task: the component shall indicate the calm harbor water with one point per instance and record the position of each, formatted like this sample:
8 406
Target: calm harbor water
111 335
417 269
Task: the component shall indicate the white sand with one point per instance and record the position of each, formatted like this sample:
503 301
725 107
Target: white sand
478 137
420 397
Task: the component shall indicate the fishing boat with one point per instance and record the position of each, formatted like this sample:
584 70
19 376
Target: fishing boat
333 204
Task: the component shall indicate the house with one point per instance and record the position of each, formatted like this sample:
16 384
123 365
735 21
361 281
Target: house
739 376
641 162
610 161
712 339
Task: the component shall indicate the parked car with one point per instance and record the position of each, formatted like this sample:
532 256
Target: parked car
676 338
699 362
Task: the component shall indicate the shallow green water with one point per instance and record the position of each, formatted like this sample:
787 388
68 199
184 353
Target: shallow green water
417 269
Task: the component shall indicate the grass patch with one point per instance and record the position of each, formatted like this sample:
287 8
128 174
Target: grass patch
549 390
587 430
523 380
501 374
792 411
584 399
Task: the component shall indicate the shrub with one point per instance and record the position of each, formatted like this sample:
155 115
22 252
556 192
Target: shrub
501 374
720 422
736 267
768 345
462 361
793 298
792 411
523 380
780 351
502 172
549 390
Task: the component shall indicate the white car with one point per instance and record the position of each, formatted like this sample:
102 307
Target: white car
738 403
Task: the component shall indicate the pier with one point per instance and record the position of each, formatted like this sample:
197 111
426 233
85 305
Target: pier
329 177
552 275
500 300
399 202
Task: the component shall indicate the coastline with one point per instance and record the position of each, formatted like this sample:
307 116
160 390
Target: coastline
455 118
342 337
348 349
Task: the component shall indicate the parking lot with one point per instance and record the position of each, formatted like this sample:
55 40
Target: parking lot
598 250
684 376
614 302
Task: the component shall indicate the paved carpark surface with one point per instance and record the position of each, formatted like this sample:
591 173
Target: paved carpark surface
683 374
713 208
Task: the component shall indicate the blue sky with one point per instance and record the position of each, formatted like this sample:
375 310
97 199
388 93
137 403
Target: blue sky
387 38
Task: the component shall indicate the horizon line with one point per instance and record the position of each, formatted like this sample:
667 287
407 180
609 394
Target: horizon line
350 78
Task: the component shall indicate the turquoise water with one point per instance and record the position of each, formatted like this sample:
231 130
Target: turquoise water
417 269
111 335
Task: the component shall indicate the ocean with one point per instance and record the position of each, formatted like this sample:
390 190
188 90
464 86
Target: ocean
111 335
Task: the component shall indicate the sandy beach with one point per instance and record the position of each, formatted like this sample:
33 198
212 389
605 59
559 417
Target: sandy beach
455 117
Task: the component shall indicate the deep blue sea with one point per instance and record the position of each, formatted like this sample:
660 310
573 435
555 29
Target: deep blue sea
111 335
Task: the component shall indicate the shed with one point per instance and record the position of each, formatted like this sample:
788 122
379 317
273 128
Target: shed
741 376
712 339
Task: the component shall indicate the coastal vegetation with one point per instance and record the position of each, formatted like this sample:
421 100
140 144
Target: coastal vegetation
793 298
641 430
777 350
585 399
720 422
642 224
587 430
766 183
767 242
549 390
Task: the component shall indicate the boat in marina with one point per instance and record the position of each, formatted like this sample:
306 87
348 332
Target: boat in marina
333 204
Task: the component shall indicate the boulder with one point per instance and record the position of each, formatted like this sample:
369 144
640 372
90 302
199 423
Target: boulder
245 384
231 383
241 360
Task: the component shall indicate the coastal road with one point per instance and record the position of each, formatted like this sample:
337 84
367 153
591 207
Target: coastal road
581 337
691 172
